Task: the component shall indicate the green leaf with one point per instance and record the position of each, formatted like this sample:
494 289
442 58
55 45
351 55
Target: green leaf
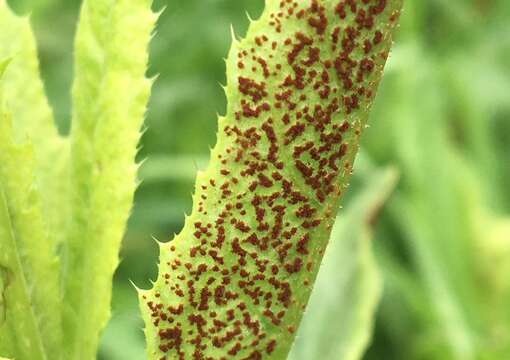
339 319
234 283
110 93
30 327
33 118
441 305
122 338
33 184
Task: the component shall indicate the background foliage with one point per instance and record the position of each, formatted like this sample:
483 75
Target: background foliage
441 119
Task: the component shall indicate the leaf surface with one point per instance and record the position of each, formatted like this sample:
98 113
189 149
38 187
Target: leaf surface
110 93
33 118
30 327
234 283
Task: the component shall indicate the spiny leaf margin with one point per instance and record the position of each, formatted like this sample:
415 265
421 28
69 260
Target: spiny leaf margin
234 283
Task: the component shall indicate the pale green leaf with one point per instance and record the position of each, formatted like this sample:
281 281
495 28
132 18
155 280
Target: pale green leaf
33 184
30 327
110 93
33 118
338 322
233 284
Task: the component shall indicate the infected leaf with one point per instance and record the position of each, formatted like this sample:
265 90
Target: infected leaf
234 283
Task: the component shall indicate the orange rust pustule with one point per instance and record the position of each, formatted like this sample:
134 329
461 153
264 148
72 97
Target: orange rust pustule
283 153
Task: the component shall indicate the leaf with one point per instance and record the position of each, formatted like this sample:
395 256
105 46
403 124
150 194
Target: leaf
110 93
30 269
339 318
234 283
30 327
33 118
430 228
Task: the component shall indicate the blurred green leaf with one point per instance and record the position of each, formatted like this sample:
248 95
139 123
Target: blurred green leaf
439 130
123 338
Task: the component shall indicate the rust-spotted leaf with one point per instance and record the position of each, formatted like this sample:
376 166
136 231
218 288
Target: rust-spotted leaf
234 283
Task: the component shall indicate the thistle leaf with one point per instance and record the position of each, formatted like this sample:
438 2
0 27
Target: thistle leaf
110 93
234 283
30 328
33 118
32 184
339 318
